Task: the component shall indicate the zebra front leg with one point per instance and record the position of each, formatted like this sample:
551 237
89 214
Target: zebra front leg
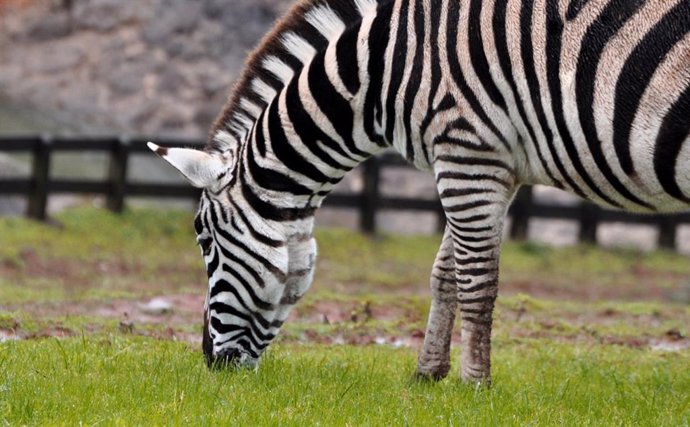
475 201
477 247
434 358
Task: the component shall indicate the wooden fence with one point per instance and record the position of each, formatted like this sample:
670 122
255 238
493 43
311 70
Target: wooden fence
116 188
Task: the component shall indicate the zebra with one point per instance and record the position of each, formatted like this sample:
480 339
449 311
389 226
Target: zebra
589 96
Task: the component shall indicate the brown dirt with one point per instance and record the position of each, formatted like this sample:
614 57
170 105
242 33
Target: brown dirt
79 274
331 321
644 290
354 323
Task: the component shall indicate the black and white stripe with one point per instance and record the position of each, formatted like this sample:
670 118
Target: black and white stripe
592 96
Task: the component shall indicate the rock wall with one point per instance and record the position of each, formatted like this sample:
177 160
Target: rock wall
144 66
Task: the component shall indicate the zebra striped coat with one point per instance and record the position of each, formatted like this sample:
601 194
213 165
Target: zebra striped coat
591 96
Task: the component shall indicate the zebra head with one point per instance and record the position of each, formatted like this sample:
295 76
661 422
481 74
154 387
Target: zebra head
258 267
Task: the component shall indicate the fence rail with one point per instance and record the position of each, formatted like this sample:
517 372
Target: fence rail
40 185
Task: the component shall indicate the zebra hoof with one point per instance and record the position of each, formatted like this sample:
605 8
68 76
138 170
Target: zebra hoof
476 382
432 376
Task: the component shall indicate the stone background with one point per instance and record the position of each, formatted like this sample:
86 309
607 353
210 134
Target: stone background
144 66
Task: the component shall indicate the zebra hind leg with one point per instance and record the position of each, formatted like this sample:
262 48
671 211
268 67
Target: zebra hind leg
434 358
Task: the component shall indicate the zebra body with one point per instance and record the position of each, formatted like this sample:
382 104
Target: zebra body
591 96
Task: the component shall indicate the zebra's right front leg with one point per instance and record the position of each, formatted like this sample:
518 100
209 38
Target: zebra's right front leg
434 358
475 192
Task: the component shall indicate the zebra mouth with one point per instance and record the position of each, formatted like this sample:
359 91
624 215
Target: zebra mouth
232 358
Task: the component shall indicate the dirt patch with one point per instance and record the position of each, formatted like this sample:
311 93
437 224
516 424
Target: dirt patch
334 312
183 309
351 320
646 289
79 274
178 317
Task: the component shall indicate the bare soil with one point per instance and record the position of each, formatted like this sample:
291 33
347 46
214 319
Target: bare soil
166 312
178 317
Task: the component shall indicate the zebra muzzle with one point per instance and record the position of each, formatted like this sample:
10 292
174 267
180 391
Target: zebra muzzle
226 358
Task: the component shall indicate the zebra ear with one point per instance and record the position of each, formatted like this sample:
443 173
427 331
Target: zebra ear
201 169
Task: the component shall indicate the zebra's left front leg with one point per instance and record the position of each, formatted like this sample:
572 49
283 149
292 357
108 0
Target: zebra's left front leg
434 358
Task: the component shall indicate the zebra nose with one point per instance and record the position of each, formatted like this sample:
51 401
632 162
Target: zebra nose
225 358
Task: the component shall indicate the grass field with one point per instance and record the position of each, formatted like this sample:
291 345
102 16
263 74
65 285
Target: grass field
582 336
116 380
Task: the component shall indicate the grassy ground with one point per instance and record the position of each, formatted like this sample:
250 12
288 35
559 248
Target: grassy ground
115 380
582 336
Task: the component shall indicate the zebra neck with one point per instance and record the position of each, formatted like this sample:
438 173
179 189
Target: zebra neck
321 122
312 27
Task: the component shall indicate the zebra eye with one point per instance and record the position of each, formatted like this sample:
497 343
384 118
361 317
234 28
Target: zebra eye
205 244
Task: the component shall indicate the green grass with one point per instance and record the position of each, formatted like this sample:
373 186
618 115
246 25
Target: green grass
153 250
94 254
92 234
519 261
116 381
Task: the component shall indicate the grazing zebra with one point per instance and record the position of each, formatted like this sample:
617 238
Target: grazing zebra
591 96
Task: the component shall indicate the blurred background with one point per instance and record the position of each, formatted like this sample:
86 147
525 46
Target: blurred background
149 66
107 67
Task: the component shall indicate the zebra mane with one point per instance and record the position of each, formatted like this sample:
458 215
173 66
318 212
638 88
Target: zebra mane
309 27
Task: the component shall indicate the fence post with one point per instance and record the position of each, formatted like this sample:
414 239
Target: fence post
589 222
521 211
370 196
117 174
40 171
667 232
440 219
